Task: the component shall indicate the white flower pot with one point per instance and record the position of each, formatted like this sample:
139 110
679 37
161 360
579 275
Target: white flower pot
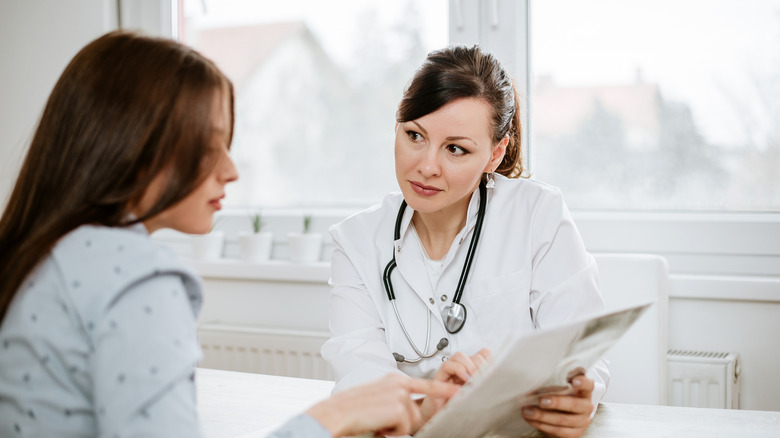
255 247
305 247
208 246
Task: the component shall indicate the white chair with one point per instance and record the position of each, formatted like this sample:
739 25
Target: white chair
638 366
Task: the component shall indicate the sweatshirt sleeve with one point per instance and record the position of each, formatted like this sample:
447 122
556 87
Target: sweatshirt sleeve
144 361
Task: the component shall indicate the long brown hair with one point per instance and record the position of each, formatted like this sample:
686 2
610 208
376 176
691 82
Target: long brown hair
124 109
459 72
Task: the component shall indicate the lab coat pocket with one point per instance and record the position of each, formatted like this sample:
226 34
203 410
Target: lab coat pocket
498 307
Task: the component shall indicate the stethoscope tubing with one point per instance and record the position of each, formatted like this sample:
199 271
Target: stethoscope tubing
422 354
464 274
461 281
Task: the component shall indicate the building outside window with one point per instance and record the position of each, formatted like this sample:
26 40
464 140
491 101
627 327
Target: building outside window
317 85
648 105
658 105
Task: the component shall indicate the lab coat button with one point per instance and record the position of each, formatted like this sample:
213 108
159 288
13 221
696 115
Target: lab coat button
432 301
444 297
444 358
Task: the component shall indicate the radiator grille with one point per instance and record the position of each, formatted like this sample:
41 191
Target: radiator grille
704 379
255 350
695 378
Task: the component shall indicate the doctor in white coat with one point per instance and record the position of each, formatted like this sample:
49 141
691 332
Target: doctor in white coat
458 145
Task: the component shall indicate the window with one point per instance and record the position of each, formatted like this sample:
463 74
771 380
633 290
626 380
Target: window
699 134
317 85
657 104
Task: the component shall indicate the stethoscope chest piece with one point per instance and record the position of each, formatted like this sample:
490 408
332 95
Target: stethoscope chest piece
454 317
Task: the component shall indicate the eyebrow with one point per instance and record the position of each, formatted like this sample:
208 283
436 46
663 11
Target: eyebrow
450 138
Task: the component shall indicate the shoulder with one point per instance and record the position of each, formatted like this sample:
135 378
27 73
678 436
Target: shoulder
98 262
364 223
102 246
530 192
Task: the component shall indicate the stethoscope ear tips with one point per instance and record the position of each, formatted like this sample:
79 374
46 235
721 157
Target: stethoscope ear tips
443 343
399 357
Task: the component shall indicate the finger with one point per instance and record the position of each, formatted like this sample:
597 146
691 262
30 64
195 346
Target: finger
579 371
485 353
415 415
563 418
464 360
431 387
481 357
454 372
399 414
564 403
583 384
557 431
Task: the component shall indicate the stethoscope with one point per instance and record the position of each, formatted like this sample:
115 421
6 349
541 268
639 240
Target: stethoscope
453 315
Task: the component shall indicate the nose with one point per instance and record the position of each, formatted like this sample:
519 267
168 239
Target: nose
228 172
428 164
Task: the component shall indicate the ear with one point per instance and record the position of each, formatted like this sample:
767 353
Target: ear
497 154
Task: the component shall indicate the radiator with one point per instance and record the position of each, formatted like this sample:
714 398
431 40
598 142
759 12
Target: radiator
703 379
289 353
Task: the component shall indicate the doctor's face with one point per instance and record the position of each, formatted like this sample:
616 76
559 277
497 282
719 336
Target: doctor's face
440 157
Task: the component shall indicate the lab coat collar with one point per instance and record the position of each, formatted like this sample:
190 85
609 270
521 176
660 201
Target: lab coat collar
471 218
410 264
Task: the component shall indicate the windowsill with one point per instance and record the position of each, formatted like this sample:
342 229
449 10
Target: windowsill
272 270
705 287
742 245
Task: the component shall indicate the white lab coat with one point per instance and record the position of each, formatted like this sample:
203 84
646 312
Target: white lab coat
530 271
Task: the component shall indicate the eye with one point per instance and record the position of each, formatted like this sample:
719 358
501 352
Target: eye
414 135
456 150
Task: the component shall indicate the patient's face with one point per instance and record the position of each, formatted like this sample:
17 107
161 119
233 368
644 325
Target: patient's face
195 213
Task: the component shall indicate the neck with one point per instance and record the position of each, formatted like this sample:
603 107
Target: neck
437 230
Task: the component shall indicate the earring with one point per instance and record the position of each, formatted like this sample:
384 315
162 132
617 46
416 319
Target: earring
490 183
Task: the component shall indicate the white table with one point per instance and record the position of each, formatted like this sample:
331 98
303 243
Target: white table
233 405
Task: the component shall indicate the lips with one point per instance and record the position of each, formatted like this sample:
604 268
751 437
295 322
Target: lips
216 204
424 190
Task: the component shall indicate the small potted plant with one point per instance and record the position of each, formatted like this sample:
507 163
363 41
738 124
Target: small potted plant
208 246
256 245
305 247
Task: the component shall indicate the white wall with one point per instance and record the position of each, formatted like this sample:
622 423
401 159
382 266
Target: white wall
37 39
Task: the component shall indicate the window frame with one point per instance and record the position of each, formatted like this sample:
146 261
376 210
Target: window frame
711 243
713 247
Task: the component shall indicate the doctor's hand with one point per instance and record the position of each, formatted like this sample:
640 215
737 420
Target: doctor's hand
384 406
458 369
563 416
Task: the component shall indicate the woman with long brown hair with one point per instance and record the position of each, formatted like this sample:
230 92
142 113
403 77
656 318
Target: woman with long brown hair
469 253
98 322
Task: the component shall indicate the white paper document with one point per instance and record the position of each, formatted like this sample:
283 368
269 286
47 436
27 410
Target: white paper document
528 366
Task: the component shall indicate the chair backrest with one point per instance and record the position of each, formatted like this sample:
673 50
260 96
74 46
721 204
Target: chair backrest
637 363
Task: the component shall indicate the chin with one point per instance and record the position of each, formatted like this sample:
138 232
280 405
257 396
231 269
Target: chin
420 204
197 228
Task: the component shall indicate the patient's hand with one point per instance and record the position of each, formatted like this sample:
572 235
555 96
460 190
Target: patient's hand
384 406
